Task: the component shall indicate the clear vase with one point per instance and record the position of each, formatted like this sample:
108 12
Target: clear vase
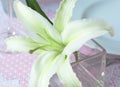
89 68
9 24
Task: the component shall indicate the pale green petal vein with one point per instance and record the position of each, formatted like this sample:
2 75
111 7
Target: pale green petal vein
64 14
79 27
77 33
44 68
67 76
21 44
35 22
38 66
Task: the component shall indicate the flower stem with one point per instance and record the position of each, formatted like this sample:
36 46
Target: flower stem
76 56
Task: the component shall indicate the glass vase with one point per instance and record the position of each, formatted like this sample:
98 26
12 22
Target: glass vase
89 68
9 24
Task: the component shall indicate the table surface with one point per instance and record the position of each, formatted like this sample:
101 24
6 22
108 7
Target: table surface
15 68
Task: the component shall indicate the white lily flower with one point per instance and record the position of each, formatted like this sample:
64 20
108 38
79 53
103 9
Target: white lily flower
54 43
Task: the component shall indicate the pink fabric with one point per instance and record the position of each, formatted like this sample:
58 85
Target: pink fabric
16 67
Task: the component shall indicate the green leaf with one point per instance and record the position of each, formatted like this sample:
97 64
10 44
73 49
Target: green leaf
64 14
21 44
78 32
34 5
67 76
36 23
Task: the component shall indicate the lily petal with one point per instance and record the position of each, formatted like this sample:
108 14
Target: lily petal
21 44
64 14
67 76
78 32
44 68
37 67
35 22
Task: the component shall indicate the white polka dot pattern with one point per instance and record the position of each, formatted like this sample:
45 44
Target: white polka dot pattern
16 66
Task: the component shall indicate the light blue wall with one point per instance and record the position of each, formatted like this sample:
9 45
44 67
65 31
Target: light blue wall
107 10
81 6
